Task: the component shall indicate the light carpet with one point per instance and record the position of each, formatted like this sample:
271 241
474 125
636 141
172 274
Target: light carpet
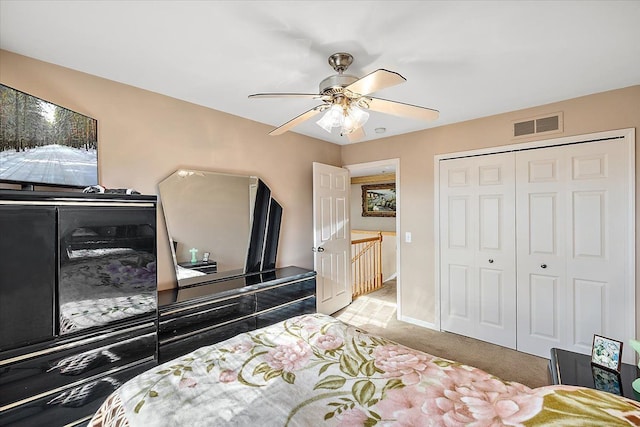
376 313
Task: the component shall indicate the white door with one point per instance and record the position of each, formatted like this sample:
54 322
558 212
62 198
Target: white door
572 246
331 237
477 267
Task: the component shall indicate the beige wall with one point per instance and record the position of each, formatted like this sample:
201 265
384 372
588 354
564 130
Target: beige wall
594 113
144 137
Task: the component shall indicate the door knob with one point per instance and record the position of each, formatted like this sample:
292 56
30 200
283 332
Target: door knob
543 266
320 249
490 261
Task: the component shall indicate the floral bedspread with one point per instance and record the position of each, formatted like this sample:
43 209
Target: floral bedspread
314 370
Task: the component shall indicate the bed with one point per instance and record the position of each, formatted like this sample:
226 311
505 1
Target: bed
314 370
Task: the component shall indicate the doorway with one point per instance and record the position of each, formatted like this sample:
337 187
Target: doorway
377 173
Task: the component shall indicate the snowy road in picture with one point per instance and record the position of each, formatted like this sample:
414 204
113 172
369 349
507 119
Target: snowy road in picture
55 164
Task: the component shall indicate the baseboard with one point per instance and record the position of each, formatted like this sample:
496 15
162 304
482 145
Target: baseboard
393 276
418 322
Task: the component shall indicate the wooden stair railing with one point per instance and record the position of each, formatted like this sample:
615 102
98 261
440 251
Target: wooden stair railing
366 265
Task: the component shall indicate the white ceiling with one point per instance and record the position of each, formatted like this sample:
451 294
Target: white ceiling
467 59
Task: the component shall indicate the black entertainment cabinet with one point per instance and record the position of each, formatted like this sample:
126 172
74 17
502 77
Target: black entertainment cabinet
78 301
79 309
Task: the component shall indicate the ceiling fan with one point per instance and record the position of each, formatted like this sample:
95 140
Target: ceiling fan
346 100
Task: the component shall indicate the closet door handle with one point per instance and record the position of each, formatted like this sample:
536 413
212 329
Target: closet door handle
543 266
490 261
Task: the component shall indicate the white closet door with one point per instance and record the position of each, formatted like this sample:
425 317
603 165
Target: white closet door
541 211
572 246
478 248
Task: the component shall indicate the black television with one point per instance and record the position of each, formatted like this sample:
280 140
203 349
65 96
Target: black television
42 143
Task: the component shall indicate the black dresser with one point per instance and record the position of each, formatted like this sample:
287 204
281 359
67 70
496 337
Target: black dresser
78 302
208 313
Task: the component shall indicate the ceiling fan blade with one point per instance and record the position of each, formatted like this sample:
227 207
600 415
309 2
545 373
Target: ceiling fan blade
286 95
296 120
356 135
401 109
375 81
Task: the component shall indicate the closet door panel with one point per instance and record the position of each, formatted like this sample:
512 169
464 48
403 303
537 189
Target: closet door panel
478 249
458 295
589 229
597 239
492 310
589 302
495 256
543 228
457 267
541 221
458 229
491 220
571 226
543 309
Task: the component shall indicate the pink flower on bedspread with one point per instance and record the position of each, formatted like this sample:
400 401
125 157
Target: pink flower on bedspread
469 395
406 407
228 376
289 357
460 406
308 323
401 362
242 347
187 382
352 418
329 342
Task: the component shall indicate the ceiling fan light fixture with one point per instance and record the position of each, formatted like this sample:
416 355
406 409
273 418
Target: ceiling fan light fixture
347 119
353 119
333 118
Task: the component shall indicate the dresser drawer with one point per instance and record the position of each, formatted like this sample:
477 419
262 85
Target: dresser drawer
269 317
71 404
55 367
185 320
282 294
177 346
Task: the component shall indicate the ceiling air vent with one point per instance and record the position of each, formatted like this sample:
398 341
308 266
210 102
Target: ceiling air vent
537 125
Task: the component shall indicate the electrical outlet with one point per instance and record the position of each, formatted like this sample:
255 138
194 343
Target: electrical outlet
407 236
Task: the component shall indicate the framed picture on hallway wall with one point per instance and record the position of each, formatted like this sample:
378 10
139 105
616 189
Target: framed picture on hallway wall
379 200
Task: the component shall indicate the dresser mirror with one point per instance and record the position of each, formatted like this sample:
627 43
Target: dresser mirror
219 225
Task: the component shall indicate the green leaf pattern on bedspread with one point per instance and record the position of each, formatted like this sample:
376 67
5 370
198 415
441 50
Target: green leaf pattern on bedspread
313 370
